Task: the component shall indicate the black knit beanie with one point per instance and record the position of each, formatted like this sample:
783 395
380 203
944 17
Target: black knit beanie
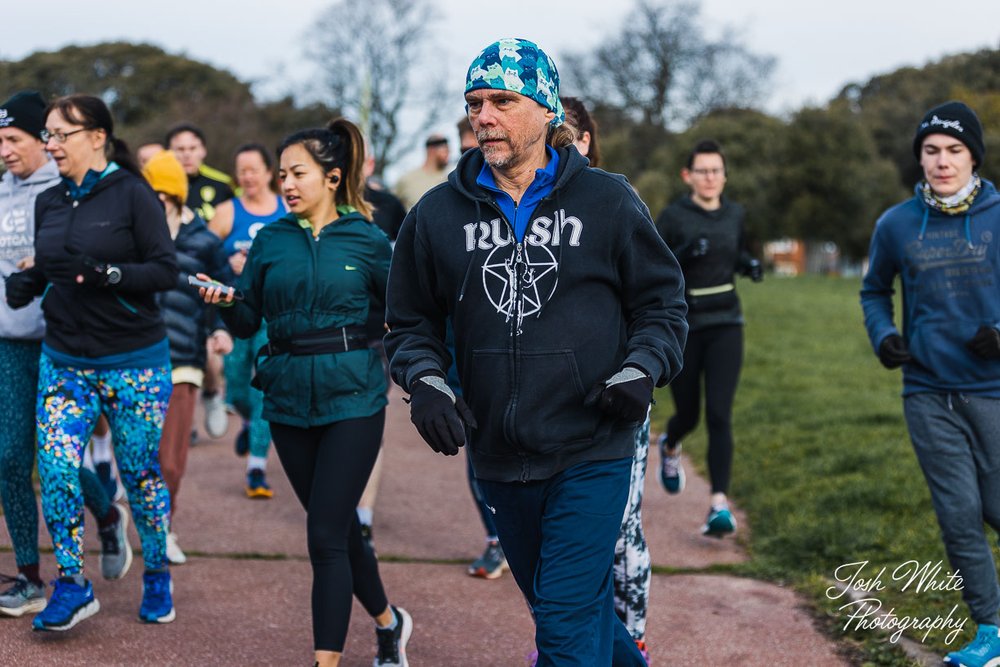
25 111
956 120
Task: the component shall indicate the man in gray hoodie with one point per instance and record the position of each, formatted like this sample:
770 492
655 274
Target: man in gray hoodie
28 173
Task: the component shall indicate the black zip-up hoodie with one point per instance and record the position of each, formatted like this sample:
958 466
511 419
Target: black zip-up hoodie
538 323
120 222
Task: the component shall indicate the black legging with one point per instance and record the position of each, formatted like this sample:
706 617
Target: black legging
718 353
328 467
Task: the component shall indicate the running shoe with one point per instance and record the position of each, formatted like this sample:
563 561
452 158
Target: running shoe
116 552
216 419
392 643
24 597
720 522
157 598
491 564
70 604
257 486
671 468
242 442
983 651
175 555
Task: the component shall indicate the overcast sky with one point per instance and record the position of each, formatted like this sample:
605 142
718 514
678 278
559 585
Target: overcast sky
820 46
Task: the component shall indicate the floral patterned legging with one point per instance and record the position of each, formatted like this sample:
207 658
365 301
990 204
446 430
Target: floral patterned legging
69 403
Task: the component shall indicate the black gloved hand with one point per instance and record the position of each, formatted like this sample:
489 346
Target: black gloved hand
893 352
439 415
76 269
755 270
626 394
986 343
22 287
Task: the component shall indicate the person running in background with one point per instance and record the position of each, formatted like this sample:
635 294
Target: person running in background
943 244
632 571
102 251
237 222
705 231
466 137
190 324
434 171
388 214
29 172
567 310
207 189
145 152
310 277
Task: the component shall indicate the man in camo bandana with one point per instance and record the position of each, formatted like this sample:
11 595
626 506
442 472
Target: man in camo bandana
567 308
943 244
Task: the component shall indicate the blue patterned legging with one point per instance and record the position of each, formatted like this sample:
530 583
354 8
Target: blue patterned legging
249 402
69 403
19 379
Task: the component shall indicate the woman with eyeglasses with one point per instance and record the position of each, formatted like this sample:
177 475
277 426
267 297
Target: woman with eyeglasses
705 232
310 276
102 252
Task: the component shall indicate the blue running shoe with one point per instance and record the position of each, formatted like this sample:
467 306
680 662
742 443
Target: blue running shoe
70 604
720 522
671 468
157 598
983 651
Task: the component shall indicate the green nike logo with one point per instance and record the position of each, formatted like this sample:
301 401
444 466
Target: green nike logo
348 267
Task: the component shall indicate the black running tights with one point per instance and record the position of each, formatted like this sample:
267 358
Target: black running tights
716 353
328 467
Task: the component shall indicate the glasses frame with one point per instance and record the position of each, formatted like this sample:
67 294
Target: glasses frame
59 137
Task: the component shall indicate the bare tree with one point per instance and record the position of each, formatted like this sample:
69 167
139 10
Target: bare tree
370 54
662 68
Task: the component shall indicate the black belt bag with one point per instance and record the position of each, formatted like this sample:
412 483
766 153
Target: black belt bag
321 341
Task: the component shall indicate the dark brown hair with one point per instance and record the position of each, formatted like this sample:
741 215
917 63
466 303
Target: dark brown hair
93 114
706 146
577 114
340 145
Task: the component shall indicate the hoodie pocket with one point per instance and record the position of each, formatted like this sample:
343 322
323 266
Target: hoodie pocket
549 411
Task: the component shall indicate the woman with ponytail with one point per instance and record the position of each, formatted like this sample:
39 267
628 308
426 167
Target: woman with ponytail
102 251
309 276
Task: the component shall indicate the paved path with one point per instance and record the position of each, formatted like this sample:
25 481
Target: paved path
243 597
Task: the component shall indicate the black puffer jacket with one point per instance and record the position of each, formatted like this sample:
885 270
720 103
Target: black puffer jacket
189 321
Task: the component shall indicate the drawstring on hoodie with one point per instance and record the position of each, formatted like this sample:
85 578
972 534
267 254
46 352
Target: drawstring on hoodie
475 252
558 259
968 227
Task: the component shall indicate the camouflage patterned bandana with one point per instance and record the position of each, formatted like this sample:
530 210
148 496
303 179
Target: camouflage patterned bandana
519 66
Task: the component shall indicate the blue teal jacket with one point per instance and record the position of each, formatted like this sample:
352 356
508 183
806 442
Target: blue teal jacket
949 266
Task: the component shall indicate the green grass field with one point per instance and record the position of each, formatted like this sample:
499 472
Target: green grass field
823 464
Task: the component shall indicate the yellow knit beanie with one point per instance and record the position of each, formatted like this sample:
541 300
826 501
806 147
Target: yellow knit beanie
165 174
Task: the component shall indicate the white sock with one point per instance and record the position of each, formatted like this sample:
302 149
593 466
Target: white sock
101 446
257 462
365 515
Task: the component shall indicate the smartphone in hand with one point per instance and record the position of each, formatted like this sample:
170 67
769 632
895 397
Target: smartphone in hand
208 284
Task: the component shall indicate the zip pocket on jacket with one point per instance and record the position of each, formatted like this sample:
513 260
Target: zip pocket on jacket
127 305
